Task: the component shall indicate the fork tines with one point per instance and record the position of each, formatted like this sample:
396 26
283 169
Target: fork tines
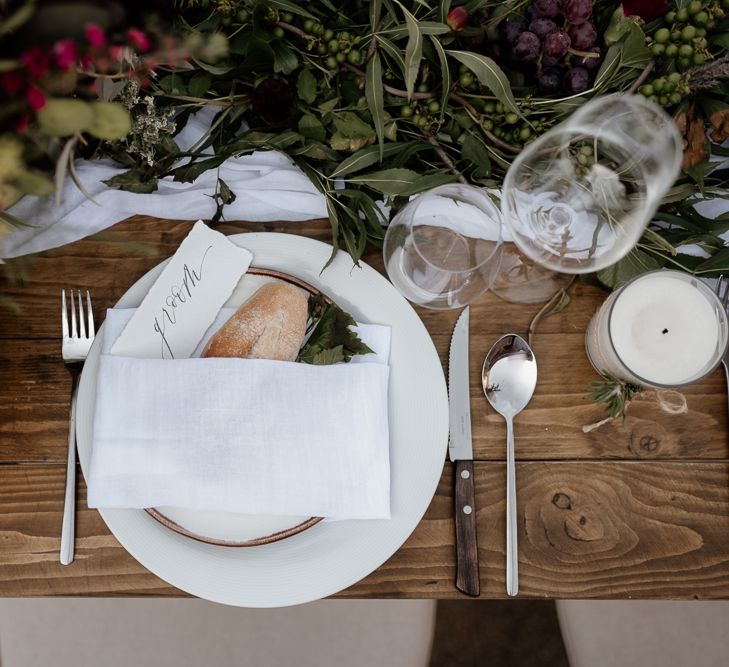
78 329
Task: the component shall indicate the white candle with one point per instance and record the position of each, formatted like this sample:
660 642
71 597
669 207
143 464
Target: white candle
663 329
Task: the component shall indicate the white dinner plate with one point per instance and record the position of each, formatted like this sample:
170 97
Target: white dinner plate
329 556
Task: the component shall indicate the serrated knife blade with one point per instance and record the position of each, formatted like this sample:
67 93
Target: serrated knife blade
460 447
460 450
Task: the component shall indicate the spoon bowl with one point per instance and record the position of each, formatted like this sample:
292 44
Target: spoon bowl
509 377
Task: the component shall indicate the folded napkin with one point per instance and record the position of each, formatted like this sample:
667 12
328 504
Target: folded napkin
242 435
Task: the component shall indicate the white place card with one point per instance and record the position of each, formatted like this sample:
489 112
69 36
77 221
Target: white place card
186 298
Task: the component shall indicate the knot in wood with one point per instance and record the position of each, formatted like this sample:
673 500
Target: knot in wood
649 443
562 500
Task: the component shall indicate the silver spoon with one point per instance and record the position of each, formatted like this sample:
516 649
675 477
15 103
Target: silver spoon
509 377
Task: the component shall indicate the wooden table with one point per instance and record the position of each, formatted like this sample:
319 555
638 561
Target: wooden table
637 509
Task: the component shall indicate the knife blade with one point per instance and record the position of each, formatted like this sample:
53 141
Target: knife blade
460 450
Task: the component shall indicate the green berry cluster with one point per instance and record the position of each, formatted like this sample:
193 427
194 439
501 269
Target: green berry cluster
339 47
667 90
508 126
682 39
424 114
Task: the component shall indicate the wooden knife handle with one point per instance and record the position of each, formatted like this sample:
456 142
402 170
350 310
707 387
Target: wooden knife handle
467 579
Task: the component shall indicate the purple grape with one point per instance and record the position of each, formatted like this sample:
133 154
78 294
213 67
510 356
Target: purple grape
577 11
549 80
510 30
583 36
556 44
545 8
577 80
527 46
549 61
542 27
590 64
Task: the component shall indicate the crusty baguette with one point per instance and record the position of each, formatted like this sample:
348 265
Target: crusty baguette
270 325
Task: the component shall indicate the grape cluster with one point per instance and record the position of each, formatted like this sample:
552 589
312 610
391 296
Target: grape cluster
682 39
666 90
557 47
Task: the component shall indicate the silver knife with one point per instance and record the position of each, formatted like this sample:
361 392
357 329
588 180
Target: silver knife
460 451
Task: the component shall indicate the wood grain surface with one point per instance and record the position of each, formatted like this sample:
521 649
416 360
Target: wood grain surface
633 509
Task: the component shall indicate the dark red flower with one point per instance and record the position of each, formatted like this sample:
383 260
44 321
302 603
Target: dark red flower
646 9
36 98
272 100
66 53
458 18
11 82
35 61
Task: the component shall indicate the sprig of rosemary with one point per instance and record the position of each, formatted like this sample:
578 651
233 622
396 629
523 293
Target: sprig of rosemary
614 392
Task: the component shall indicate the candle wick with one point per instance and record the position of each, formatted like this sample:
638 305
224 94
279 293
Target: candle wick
665 331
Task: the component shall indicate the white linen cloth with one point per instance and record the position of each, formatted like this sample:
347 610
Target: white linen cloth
267 185
242 435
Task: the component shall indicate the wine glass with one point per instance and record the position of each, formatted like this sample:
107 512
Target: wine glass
442 249
579 198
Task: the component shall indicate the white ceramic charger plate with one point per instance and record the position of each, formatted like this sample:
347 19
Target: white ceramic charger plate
330 556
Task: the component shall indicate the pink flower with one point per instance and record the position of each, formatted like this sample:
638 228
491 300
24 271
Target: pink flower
36 98
139 39
66 53
86 62
11 82
35 61
95 35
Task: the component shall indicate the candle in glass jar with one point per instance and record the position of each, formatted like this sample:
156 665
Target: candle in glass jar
663 329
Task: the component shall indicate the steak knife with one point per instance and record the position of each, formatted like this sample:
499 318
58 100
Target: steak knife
460 451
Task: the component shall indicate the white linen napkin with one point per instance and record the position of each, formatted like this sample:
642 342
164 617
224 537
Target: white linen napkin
242 435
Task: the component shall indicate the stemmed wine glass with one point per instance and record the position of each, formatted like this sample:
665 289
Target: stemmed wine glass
579 198
442 249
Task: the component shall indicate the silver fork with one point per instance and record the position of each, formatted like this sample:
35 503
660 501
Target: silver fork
75 346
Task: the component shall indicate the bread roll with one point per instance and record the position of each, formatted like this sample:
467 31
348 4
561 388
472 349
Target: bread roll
270 325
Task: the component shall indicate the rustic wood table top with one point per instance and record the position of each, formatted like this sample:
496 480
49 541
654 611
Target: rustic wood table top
638 509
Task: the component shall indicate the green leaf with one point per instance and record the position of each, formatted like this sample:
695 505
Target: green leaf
635 51
132 181
332 339
364 158
328 106
350 125
444 7
721 40
425 28
445 74
610 63
292 7
375 98
306 86
718 263
216 70
413 51
199 84
399 181
393 52
188 173
375 11
310 126
285 59
20 16
475 152
490 75
635 263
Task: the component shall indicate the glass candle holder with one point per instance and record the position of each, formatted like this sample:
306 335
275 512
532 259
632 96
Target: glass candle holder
662 329
442 249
